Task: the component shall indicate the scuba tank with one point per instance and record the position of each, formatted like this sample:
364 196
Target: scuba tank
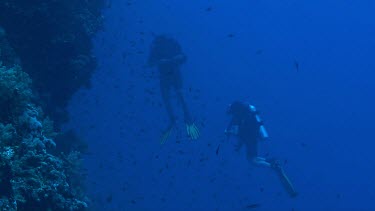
262 129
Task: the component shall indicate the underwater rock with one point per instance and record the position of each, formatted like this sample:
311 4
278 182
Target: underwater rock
7 55
45 57
31 178
14 92
53 41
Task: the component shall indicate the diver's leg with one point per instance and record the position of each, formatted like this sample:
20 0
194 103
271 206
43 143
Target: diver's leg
286 182
273 164
181 99
252 153
191 129
259 161
178 84
165 94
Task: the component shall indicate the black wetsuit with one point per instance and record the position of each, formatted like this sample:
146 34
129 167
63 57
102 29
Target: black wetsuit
248 133
248 129
167 55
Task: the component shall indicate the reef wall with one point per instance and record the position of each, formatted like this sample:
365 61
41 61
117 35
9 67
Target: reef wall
45 56
33 176
53 41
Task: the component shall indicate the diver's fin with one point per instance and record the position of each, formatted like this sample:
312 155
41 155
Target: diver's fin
286 182
165 135
192 131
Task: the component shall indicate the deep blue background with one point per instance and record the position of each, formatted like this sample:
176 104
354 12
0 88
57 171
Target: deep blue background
320 117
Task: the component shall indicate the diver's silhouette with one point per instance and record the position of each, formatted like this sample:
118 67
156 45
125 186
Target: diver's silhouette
248 127
166 54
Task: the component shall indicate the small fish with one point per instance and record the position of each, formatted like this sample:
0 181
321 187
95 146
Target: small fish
296 65
180 152
109 199
252 206
230 35
259 51
208 9
217 149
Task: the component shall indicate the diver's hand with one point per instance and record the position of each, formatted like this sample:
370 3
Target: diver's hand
228 132
192 131
164 61
179 57
233 130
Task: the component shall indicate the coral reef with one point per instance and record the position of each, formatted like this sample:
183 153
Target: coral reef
33 174
45 56
53 41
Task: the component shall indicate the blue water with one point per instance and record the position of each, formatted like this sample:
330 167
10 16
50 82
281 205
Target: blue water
319 116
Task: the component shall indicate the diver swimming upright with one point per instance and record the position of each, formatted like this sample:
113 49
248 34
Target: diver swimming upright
166 54
248 127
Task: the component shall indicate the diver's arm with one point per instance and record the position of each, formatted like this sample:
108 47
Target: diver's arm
232 128
228 129
178 59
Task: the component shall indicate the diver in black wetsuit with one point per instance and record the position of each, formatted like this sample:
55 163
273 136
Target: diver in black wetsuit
167 55
248 127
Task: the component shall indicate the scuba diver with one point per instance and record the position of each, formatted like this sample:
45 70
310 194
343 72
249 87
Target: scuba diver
166 54
248 127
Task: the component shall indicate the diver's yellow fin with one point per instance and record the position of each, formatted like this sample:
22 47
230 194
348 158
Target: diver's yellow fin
165 135
192 131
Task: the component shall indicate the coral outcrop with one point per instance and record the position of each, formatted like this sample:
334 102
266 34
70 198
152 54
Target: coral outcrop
33 175
53 41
